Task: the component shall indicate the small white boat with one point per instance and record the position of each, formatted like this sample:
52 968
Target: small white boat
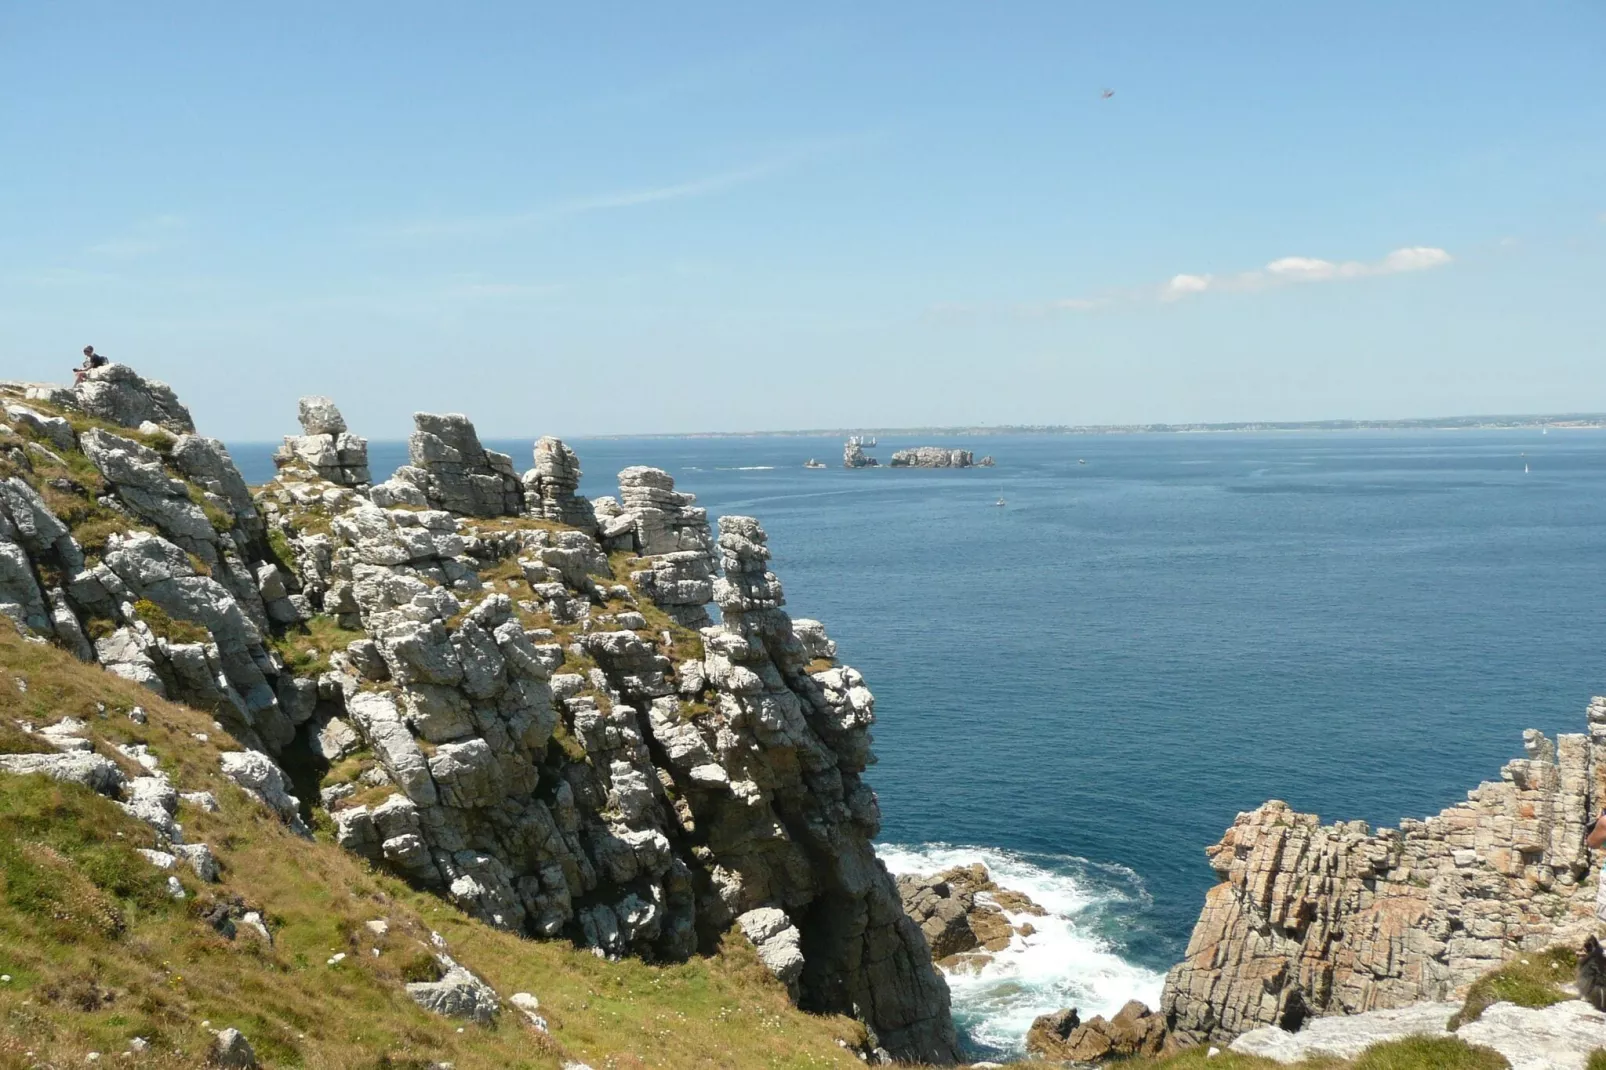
999 503
813 463
1524 469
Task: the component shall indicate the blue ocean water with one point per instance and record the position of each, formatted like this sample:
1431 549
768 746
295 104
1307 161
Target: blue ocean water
1085 686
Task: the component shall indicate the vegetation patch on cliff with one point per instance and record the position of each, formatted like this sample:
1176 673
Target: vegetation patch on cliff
98 953
1531 980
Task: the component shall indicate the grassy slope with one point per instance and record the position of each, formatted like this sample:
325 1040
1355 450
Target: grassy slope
98 954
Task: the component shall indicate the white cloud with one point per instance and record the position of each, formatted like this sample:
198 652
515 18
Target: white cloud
1284 271
1183 285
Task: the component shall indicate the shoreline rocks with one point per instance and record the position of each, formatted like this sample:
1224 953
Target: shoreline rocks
1311 919
961 912
1134 1030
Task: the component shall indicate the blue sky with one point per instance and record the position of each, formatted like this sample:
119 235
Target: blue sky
649 217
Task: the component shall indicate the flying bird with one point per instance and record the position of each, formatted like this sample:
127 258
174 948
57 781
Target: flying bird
1107 94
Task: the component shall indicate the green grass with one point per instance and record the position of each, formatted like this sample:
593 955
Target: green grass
1597 1060
307 646
98 954
1533 979
174 631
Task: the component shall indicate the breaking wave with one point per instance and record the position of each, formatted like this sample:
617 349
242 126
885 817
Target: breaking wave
1074 959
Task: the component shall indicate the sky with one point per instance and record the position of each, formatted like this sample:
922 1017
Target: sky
648 218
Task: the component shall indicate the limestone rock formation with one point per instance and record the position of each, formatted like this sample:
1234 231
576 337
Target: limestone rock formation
1134 1030
532 711
325 446
549 487
1313 919
120 395
933 457
449 469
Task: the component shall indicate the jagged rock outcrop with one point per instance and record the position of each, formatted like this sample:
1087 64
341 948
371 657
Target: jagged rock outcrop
449 469
1134 1030
560 743
670 533
961 911
637 805
118 394
325 446
1313 919
933 457
549 487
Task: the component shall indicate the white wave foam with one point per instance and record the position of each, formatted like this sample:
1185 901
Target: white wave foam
1062 964
748 468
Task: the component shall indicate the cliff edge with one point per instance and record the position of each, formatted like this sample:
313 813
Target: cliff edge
500 691
1311 919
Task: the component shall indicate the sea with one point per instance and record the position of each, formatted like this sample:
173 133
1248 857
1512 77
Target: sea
1090 658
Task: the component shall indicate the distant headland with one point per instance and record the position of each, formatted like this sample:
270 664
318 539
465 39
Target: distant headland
1588 420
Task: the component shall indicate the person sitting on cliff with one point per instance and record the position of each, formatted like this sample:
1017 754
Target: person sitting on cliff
92 360
1596 837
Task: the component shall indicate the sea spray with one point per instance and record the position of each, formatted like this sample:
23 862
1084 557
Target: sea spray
1072 959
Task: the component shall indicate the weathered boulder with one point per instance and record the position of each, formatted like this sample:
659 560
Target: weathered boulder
258 775
54 428
778 943
1134 1030
118 394
231 1051
458 994
91 770
961 913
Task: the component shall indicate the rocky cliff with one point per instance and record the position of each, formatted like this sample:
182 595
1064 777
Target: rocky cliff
497 689
1311 919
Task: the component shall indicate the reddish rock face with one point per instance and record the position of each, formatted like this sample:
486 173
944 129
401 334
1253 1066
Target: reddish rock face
1134 1030
1313 919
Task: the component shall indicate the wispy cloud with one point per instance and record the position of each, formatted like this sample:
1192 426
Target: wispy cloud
1285 271
614 200
143 238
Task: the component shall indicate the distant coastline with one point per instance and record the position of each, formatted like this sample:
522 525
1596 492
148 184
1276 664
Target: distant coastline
1567 421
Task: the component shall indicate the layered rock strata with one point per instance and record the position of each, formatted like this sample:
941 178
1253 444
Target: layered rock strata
1311 919
550 486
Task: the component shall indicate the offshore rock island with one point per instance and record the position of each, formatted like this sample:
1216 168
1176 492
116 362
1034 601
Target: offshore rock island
853 456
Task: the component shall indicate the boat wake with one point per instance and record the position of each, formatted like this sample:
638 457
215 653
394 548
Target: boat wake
1073 959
